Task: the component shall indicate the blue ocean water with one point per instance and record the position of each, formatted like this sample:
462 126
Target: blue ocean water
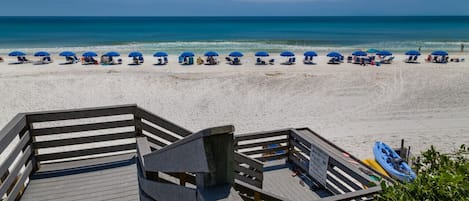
224 34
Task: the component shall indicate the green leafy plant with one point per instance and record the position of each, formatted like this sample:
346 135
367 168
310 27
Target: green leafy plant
439 177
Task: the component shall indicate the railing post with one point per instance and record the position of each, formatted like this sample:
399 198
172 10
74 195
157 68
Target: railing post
290 146
182 179
138 122
32 140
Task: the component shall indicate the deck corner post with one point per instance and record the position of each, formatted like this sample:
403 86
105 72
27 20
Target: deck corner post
137 122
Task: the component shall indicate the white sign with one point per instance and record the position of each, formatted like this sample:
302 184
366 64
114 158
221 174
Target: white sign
318 164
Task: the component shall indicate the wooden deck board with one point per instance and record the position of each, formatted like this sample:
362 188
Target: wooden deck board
279 180
118 183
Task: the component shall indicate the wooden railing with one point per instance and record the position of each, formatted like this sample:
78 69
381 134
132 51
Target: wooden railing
264 146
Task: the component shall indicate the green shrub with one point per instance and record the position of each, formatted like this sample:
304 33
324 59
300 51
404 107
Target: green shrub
439 177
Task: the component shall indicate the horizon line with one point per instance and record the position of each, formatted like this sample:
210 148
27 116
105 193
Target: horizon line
234 16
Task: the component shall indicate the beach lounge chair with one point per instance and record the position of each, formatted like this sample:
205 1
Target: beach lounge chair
349 59
180 60
191 60
271 62
236 61
228 60
259 61
141 60
334 60
165 60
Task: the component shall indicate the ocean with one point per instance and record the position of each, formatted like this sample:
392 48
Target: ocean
226 34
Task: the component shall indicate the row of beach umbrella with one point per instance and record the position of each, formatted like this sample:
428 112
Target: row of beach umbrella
232 54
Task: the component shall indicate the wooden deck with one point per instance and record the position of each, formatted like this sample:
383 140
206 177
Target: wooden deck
281 180
115 180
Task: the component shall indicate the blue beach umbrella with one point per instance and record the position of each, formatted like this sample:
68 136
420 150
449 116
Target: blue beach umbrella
187 54
41 54
236 54
359 53
413 52
90 54
310 54
372 51
334 54
67 54
384 53
135 54
287 54
160 54
112 54
16 54
211 54
262 54
440 53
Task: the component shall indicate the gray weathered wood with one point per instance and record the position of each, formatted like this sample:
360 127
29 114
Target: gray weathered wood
11 130
167 192
267 150
13 154
253 173
250 190
301 147
143 148
57 115
82 128
249 181
273 157
85 152
83 140
241 158
19 185
15 172
155 141
344 179
144 114
158 133
259 135
58 166
354 195
338 184
259 144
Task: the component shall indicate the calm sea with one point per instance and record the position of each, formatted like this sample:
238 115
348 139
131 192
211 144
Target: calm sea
224 34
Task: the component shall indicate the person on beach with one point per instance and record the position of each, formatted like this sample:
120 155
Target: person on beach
462 47
420 48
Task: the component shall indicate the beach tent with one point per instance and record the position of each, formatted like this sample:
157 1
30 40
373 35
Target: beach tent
160 54
310 54
135 54
236 54
211 54
16 54
372 51
41 54
112 54
287 54
262 54
359 53
413 53
334 54
67 54
384 53
90 54
440 53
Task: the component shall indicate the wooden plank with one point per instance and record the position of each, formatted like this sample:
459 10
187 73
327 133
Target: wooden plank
83 140
241 158
249 190
258 135
338 184
260 144
57 115
158 133
85 152
253 173
344 179
58 166
298 163
82 128
189 178
249 181
273 157
143 148
13 154
11 130
20 184
355 174
300 156
14 173
268 150
300 147
295 136
155 141
354 195
144 114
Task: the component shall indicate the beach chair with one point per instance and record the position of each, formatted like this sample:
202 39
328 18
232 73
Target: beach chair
165 60
228 60
141 60
349 59
259 61
293 60
180 60
356 61
191 60
236 61
389 60
272 61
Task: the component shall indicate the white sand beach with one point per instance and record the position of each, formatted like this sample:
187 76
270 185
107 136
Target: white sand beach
351 105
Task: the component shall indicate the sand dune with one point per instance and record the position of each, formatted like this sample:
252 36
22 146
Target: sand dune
351 105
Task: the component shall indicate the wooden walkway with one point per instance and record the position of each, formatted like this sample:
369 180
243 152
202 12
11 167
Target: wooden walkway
111 181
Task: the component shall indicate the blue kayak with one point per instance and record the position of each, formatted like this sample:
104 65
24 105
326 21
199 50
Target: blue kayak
392 163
